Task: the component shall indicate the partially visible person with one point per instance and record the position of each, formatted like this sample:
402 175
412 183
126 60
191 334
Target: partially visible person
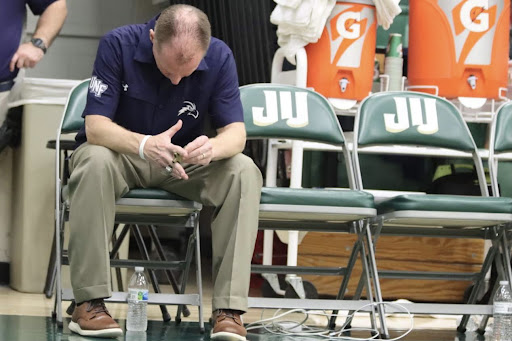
152 88
15 55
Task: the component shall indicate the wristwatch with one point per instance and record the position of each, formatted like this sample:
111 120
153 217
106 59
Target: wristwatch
38 42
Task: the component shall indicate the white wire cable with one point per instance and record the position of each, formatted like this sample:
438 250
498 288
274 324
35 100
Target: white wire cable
274 325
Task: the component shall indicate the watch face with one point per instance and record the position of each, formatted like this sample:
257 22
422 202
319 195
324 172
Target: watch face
37 42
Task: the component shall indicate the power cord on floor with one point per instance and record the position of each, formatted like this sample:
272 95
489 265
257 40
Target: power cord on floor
275 325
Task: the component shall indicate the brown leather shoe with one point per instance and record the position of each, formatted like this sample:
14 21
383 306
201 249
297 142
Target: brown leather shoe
227 326
91 318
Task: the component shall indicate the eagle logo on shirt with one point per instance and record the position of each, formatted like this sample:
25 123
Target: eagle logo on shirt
189 108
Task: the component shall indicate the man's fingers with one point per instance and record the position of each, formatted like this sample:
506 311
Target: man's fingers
178 150
196 144
179 171
20 63
176 169
174 129
13 62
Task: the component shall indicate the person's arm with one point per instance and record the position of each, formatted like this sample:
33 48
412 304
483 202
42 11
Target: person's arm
227 116
51 22
48 26
230 140
100 130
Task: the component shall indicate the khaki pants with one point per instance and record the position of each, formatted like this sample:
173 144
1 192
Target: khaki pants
100 176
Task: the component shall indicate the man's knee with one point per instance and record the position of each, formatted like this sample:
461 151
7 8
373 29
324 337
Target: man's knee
93 157
243 166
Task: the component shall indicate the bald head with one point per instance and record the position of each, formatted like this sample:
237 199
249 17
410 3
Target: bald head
184 27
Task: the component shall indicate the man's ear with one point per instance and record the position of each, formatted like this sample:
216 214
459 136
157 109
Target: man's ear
152 35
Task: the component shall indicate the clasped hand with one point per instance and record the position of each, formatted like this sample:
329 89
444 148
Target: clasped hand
159 149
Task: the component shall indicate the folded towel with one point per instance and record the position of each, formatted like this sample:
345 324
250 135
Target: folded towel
387 10
292 17
288 3
300 25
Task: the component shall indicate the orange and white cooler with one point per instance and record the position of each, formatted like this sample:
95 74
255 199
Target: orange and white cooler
340 64
460 46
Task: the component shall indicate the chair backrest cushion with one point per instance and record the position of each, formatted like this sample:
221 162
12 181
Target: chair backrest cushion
503 132
412 118
75 106
285 111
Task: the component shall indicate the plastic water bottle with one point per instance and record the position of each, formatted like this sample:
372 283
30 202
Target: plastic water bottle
502 312
137 318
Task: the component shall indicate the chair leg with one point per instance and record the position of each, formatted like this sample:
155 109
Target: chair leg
144 251
506 256
117 244
485 319
59 227
373 272
199 275
169 274
50 274
357 295
489 259
115 255
344 283
188 260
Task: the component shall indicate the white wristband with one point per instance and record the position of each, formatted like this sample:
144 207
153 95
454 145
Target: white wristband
141 147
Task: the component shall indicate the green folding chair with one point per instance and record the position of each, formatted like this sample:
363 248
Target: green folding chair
142 206
281 113
416 123
501 150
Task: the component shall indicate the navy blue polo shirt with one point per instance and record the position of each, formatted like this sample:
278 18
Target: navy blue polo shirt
127 87
12 17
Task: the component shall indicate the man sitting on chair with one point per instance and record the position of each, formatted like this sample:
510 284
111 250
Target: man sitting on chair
151 89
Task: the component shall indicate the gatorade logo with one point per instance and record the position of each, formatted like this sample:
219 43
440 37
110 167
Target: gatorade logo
396 123
346 27
472 19
272 111
473 16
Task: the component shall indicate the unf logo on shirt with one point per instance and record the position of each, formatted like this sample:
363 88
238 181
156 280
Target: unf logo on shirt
97 87
189 108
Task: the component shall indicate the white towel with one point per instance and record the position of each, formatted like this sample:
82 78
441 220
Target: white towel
293 17
288 3
387 10
299 25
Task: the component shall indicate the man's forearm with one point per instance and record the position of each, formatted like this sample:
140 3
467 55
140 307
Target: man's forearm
51 21
229 141
102 131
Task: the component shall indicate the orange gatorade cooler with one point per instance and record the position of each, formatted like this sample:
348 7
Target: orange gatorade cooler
340 64
460 46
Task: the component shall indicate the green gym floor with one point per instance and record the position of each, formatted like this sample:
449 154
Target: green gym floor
41 328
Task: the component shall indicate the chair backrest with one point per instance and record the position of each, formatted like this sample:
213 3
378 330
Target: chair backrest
72 120
274 111
285 111
502 128
500 141
413 119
